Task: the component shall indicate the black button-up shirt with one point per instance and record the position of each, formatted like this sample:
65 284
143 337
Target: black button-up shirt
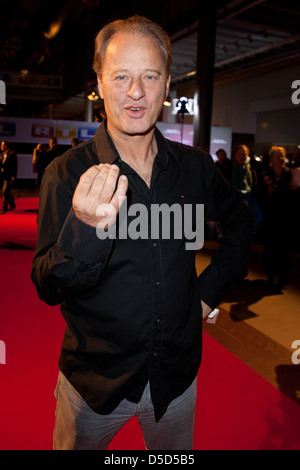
132 305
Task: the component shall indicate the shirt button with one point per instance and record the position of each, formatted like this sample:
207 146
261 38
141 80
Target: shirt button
157 283
154 244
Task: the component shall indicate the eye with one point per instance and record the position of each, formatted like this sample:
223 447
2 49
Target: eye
120 77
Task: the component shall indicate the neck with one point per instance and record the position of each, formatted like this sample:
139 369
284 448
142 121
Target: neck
140 149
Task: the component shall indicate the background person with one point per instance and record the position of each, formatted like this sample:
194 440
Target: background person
54 149
40 161
281 220
224 164
8 168
242 180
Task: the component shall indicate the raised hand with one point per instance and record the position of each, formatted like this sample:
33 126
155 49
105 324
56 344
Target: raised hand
99 194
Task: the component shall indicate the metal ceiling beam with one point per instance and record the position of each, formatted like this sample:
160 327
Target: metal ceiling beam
236 7
260 50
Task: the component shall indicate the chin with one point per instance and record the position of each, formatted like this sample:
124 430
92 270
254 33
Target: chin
139 128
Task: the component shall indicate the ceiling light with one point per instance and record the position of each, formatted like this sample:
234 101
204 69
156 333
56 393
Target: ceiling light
53 30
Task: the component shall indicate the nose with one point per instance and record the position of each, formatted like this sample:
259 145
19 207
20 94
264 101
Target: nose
136 89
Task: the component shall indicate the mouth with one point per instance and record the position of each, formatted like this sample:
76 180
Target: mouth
135 111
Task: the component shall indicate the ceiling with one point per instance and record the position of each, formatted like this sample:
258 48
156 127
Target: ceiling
46 47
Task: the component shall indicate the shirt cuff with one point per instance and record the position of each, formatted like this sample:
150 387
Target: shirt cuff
81 241
212 286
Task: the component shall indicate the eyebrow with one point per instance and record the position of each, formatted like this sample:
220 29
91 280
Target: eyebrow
153 70
128 71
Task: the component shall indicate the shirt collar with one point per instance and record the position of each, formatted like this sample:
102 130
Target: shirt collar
107 152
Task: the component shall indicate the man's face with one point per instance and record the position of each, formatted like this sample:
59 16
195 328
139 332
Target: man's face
133 84
3 146
221 156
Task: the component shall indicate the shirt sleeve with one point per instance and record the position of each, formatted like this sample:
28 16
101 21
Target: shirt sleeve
69 256
236 224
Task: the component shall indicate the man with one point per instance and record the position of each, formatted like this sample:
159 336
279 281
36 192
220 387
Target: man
224 164
132 304
54 150
8 168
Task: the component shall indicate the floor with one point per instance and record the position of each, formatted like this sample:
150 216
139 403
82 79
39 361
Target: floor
259 324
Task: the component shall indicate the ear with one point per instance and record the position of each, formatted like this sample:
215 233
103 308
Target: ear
168 85
100 87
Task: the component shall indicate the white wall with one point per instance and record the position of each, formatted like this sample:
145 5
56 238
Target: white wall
260 105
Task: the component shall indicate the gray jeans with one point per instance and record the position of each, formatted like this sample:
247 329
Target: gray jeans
77 427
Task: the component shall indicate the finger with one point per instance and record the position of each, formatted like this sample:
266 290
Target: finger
120 193
110 184
86 181
98 182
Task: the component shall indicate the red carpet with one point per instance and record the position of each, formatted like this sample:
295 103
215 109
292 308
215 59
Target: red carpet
236 408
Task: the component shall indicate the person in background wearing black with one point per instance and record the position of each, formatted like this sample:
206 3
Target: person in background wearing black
8 168
242 180
224 164
133 305
281 220
54 149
